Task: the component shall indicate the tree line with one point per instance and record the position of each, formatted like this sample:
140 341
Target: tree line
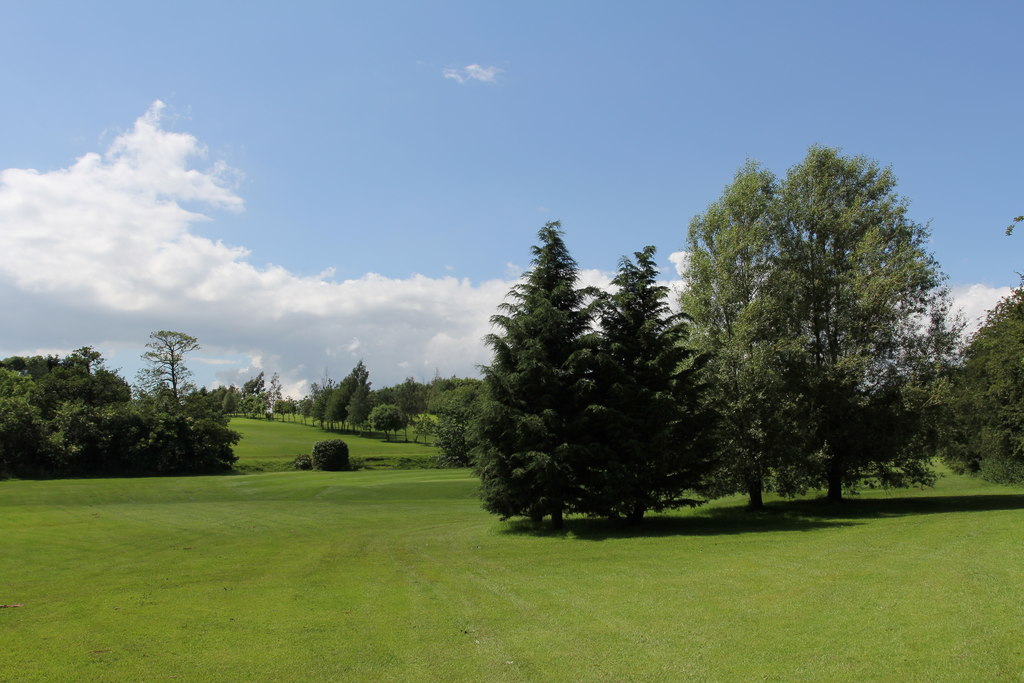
72 416
440 411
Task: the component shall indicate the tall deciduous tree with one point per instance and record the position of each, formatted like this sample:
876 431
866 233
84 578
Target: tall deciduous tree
734 298
647 451
166 359
532 427
865 305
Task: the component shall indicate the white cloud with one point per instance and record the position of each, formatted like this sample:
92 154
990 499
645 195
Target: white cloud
681 260
472 72
103 252
974 301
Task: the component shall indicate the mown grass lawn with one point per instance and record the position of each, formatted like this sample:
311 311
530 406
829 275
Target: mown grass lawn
398 575
271 445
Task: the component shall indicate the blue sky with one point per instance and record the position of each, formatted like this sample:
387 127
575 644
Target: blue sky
425 144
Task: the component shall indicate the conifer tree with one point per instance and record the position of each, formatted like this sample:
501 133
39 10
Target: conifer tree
532 426
647 451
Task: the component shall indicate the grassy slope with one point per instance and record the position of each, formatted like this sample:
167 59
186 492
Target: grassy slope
273 445
398 575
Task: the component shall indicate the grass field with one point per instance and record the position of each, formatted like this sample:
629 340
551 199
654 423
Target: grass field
271 446
398 575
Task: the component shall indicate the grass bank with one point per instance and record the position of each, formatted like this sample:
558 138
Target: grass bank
271 446
398 575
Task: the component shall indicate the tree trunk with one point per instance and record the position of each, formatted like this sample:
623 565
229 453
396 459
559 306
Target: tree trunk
755 490
835 487
635 516
556 518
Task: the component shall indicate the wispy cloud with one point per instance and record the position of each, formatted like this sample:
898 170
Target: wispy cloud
473 72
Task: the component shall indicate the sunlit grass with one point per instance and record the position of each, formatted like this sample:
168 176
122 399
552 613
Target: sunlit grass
398 575
272 446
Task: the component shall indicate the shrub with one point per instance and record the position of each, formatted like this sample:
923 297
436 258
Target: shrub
330 455
302 462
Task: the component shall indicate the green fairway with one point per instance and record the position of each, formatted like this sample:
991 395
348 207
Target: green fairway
272 446
398 575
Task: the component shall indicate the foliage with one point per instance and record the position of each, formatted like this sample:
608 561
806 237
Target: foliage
166 359
302 462
386 418
989 407
457 408
532 425
75 417
1013 224
648 450
733 295
359 406
866 313
424 425
825 320
330 455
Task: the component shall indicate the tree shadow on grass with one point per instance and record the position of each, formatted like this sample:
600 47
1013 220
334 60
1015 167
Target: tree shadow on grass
873 508
715 522
800 515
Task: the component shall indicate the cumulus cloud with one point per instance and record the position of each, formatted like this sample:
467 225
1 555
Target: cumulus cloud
681 260
472 72
974 301
104 251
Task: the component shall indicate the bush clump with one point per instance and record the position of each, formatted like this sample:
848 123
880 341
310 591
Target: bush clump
330 455
302 462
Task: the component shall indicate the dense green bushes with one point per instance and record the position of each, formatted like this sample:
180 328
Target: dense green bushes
71 416
330 455
988 410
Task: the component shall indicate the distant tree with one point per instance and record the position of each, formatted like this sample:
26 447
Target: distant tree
386 418
23 443
305 408
355 393
425 425
337 410
229 404
284 407
989 403
274 393
532 427
359 407
411 398
455 426
320 396
254 386
646 426
82 376
166 360
253 406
